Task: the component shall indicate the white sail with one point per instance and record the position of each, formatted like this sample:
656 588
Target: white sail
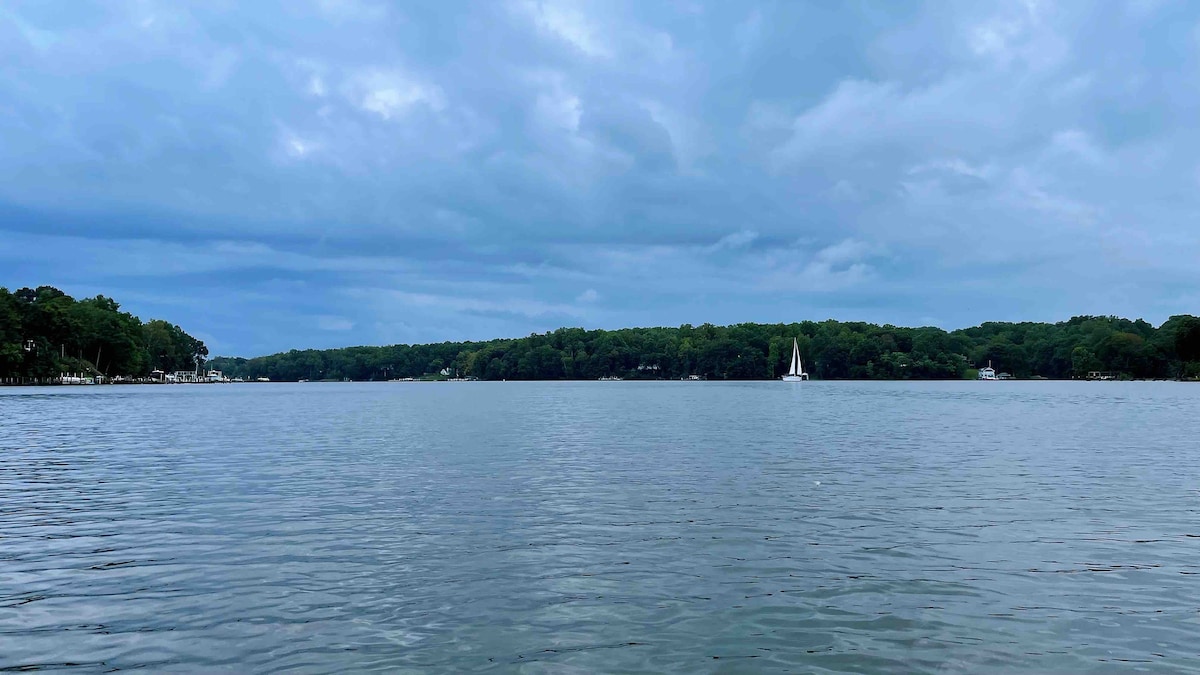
796 371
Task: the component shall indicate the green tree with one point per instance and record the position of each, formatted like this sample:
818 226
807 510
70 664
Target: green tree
65 335
830 349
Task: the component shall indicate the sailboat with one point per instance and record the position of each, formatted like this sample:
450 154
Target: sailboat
796 372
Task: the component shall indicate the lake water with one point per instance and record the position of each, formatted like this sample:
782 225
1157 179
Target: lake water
602 527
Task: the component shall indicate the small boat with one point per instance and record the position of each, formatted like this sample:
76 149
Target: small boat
988 373
610 378
796 371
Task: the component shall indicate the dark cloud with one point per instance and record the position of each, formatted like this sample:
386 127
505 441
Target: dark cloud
281 174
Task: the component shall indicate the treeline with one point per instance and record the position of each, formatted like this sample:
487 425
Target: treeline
831 350
45 332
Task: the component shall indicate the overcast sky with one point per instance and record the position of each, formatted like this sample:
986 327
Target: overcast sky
291 174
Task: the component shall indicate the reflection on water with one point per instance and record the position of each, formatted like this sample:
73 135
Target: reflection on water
616 527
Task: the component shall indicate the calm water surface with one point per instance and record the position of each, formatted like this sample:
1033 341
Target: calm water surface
602 527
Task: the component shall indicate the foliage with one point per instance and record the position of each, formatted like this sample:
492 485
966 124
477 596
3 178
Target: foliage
44 332
831 349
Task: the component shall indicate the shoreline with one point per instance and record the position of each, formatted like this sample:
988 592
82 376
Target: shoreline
54 383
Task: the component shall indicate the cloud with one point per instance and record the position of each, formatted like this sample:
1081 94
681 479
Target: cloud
735 240
388 93
566 21
1079 145
953 166
1032 195
297 147
523 307
846 251
443 171
1020 34
865 116
316 86
835 267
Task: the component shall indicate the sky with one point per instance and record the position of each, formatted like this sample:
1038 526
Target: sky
321 173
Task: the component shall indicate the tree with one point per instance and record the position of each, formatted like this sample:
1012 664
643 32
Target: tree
1083 361
1186 341
1187 338
12 339
830 349
65 335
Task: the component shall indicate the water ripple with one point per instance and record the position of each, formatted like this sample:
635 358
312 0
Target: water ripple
570 527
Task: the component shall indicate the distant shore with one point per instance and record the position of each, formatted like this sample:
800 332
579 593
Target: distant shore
45 334
831 350
11 382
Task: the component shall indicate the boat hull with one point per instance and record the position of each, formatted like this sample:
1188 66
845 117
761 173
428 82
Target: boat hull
794 378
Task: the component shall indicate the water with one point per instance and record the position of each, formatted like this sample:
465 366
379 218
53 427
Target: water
601 527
